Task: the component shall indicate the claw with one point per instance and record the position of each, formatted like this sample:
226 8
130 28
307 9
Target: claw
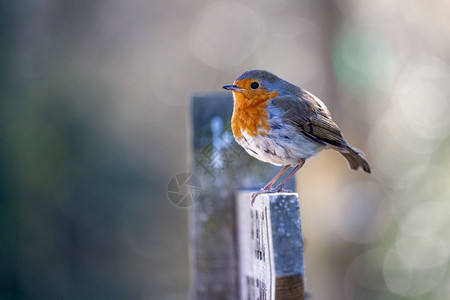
268 191
262 191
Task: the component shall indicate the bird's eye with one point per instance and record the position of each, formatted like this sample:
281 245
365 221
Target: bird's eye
254 85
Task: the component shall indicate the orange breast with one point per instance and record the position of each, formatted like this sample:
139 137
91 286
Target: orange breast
250 112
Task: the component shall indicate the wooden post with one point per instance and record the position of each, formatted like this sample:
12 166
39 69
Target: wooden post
211 218
221 167
270 247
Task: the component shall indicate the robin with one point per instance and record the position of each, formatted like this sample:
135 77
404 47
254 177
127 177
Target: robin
279 123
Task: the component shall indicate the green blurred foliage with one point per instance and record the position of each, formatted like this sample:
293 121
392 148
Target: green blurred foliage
362 62
69 184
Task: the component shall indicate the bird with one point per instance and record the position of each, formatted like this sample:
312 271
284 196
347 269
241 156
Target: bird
282 124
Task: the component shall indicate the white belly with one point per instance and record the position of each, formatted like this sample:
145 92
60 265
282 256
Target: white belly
284 146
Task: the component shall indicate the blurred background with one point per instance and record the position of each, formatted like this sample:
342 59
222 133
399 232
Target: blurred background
94 112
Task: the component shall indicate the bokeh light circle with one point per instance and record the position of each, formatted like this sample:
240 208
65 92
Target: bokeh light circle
426 218
422 250
299 65
171 73
366 272
411 269
422 97
363 215
225 34
400 156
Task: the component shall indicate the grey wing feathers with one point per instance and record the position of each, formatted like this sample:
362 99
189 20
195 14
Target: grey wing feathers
313 120
311 117
321 106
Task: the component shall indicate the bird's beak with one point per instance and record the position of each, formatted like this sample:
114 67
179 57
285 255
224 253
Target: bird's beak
232 87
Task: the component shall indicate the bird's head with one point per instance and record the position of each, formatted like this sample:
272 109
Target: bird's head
259 85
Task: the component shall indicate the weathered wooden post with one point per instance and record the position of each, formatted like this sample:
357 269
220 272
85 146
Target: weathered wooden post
223 225
270 247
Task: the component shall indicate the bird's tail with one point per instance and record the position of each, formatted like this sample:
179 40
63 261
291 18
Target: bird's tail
355 158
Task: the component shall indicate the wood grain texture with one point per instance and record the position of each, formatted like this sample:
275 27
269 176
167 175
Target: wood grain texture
270 247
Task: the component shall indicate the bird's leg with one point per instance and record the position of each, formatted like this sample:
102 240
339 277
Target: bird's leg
268 187
279 188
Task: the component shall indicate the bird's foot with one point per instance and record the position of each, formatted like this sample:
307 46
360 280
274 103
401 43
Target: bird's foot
279 188
268 191
262 191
